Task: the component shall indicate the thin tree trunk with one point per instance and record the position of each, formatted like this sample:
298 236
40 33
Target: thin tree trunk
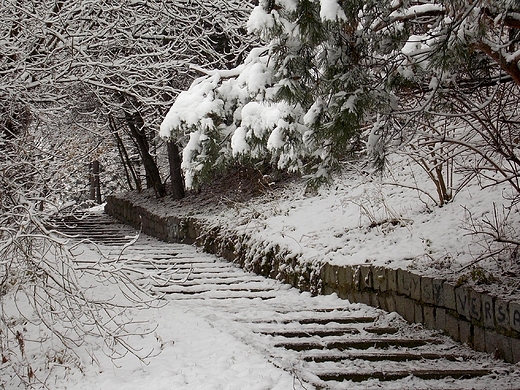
125 159
152 171
175 170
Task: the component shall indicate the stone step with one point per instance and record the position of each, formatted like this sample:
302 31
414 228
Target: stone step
381 330
199 289
360 376
228 296
310 333
337 320
306 344
382 355
333 346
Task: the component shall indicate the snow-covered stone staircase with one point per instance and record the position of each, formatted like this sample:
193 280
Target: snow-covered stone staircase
325 342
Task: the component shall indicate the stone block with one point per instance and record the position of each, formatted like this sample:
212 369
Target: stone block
440 318
488 313
390 303
465 332
379 279
324 273
515 349
427 290
405 307
451 327
502 313
475 305
404 282
391 279
374 299
382 299
488 310
418 313
350 296
161 228
462 298
363 297
429 316
514 315
415 292
479 339
499 345
328 274
343 281
365 277
438 292
449 296
327 290
356 278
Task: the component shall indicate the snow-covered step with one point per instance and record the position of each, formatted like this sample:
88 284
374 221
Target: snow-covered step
309 343
327 343
378 355
387 375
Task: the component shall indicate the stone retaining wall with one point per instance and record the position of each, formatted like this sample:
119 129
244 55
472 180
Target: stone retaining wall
483 321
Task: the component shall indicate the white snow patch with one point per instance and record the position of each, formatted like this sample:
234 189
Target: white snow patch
331 10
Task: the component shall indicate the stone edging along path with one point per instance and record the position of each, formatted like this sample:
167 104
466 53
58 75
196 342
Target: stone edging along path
483 321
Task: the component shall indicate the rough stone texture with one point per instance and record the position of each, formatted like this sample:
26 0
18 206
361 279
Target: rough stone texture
344 280
429 317
329 277
475 305
465 332
391 277
415 281
427 290
451 326
363 297
405 307
379 279
374 299
404 283
409 284
499 345
356 277
418 313
515 349
392 306
479 339
502 313
488 310
514 315
440 318
365 281
449 296
438 292
462 299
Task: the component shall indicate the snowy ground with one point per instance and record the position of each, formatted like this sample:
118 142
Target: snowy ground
181 349
360 219
385 220
215 343
193 355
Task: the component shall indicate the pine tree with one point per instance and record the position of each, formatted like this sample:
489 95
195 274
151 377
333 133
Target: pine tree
349 73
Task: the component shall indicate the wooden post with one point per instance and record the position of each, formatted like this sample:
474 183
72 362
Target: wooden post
95 185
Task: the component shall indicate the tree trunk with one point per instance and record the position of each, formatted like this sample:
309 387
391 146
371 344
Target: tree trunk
174 160
130 172
129 168
152 171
